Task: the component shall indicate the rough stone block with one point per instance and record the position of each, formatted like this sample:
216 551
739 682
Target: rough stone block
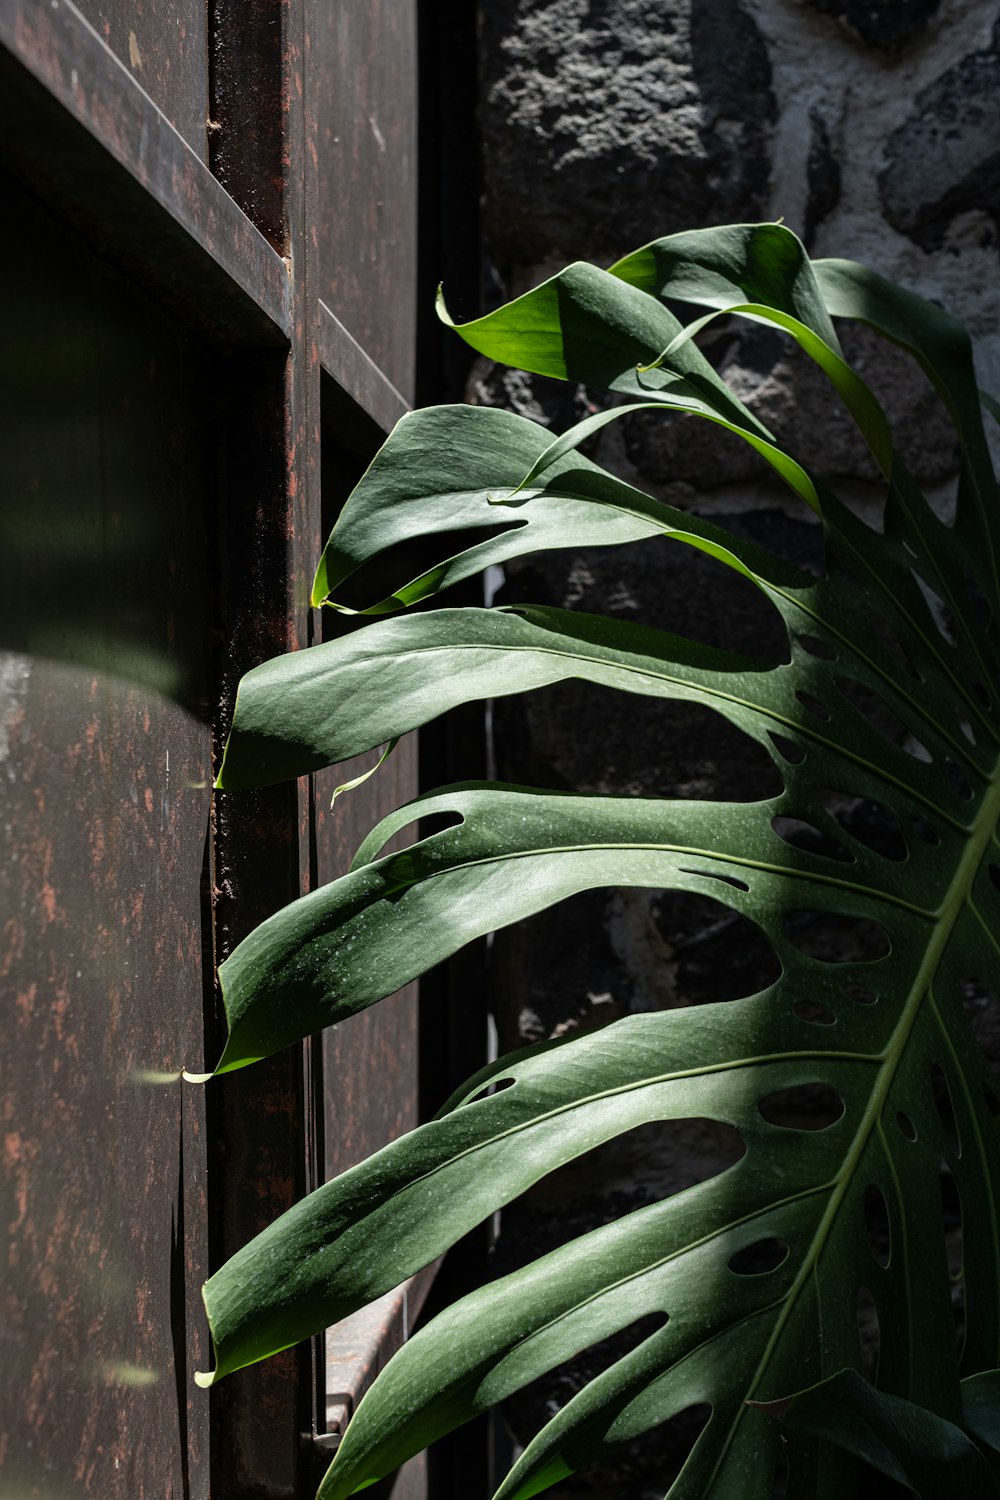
792 396
944 160
608 122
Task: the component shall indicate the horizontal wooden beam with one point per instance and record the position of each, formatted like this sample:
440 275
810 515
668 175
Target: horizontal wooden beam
358 383
78 129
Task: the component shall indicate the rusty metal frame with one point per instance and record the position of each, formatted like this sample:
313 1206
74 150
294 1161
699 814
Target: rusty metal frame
221 231
83 134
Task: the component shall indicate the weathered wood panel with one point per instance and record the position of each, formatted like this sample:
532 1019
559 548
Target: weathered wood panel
260 1116
161 513
363 79
362 405
164 44
370 1060
76 127
105 681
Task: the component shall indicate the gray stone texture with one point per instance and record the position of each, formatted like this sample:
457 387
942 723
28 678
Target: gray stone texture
823 177
944 160
605 122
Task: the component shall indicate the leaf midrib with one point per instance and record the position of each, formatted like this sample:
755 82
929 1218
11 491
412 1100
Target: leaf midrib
958 894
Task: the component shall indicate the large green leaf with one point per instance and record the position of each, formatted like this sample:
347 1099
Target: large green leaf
981 1409
729 264
400 673
909 1444
888 698
459 469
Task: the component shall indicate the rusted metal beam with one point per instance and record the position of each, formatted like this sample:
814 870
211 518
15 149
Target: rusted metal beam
363 69
106 480
250 107
79 130
359 386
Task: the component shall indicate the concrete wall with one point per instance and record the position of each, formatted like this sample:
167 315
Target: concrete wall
873 128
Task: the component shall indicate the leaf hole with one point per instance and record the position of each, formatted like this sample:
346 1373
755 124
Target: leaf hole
760 1258
491 1088
804 1106
739 885
982 693
535 1404
643 1165
676 1438
923 830
818 1015
906 1125
966 729
945 1108
883 718
866 1322
818 648
871 823
951 1215
978 605
812 704
403 562
437 823
994 874
801 835
861 994
876 1212
980 1007
917 749
957 780
715 952
836 937
944 620
787 749
888 638
992 1102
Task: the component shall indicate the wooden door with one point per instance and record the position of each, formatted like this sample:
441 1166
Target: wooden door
210 323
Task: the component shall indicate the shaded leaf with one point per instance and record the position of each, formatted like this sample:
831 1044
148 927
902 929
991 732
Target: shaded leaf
981 1408
930 1456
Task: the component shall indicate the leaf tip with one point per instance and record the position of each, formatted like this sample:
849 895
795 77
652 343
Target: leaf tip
441 307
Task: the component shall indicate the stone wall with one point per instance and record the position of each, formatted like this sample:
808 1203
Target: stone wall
873 128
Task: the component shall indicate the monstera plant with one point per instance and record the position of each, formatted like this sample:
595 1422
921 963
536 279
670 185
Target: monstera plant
749 1281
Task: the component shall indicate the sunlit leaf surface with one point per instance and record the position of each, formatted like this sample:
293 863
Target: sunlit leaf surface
752 1278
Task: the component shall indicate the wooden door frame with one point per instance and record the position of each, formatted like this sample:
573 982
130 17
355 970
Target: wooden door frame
78 129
